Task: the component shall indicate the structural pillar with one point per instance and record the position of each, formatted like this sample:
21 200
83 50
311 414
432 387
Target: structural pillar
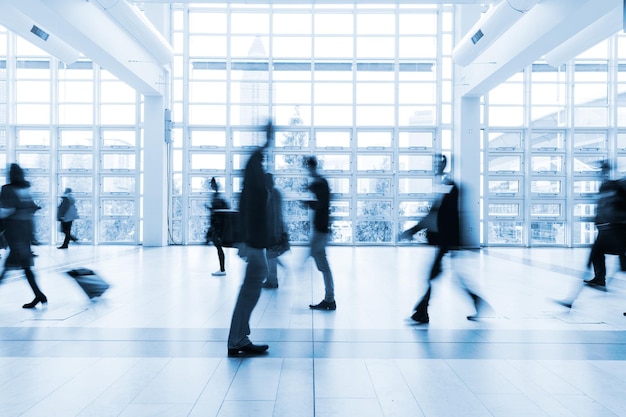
155 173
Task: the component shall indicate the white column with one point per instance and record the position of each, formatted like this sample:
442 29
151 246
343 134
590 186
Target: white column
466 163
155 176
466 158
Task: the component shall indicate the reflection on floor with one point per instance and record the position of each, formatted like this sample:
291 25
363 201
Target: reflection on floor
155 343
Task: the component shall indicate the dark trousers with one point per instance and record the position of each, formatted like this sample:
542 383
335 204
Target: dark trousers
221 257
66 228
610 241
421 308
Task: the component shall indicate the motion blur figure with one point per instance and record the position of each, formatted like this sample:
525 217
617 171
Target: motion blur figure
17 208
253 215
610 222
214 234
276 230
321 232
66 214
442 226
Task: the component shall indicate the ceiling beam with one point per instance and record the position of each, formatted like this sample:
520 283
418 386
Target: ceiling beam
88 28
540 30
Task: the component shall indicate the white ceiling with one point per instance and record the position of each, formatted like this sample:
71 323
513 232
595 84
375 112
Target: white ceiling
130 47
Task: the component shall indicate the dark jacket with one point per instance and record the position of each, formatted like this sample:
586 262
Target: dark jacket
19 224
253 205
67 212
321 218
448 218
277 227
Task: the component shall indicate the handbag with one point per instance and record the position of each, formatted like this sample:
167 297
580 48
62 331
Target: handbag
282 246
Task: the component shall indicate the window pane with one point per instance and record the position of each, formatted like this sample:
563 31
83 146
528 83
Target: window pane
510 233
112 184
341 231
415 140
326 23
547 233
27 138
545 186
332 139
505 140
111 207
594 141
504 187
78 184
421 163
117 230
34 161
207 161
76 161
119 161
283 162
119 138
373 208
414 208
207 138
334 162
508 163
372 163
374 231
503 209
296 139
549 163
545 210
548 140
415 186
380 186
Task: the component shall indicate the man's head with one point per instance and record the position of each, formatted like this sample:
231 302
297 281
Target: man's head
439 163
310 162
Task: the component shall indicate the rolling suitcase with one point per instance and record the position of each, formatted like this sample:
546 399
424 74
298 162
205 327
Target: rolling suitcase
89 281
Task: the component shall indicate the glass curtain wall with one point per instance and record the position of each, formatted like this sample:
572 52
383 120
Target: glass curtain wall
546 132
71 126
365 88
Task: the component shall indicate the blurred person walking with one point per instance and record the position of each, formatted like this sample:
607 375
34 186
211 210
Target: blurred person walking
66 214
216 228
442 224
610 222
253 213
279 239
321 232
17 208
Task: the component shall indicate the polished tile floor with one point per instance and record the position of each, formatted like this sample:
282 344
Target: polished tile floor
155 343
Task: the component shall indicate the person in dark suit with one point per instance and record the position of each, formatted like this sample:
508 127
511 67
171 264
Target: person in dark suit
66 214
610 221
17 208
214 234
321 232
276 232
442 226
253 213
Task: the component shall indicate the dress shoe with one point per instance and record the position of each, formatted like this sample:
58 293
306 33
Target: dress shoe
218 273
324 305
43 300
599 282
420 318
269 285
567 304
249 349
62 247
